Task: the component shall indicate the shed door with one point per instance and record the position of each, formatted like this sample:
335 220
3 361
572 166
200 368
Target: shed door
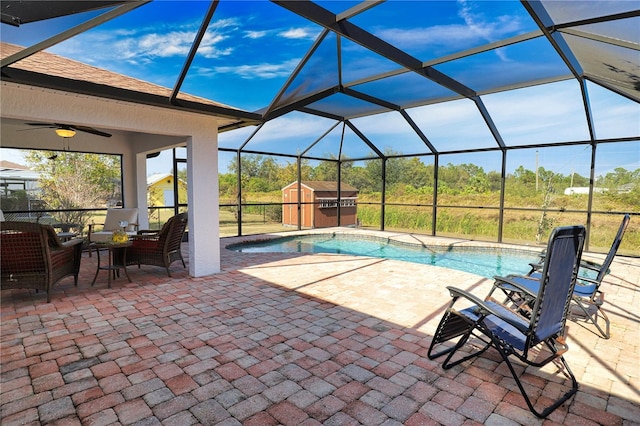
293 209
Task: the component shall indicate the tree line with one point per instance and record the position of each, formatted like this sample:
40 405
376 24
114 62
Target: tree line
410 176
70 180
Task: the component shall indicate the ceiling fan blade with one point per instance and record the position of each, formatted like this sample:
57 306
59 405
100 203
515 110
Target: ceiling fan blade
85 129
91 130
46 125
34 128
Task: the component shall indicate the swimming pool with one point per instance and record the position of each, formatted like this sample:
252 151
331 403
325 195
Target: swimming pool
486 262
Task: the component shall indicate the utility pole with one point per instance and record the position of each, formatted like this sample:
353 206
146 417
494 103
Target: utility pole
572 172
537 170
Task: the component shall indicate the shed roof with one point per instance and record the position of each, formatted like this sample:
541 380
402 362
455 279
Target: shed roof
157 177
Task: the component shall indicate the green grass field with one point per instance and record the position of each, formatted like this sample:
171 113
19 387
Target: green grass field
519 227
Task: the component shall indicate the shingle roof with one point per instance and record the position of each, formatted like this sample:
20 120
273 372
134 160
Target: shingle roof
317 185
158 177
58 66
4 164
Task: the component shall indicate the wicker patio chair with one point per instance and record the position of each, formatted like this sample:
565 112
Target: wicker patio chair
33 257
159 248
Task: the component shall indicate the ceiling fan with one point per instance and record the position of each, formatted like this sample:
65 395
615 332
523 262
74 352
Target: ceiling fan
69 130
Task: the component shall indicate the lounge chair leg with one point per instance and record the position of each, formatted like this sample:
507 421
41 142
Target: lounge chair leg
593 318
545 412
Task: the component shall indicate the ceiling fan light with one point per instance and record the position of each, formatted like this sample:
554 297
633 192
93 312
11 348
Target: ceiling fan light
65 133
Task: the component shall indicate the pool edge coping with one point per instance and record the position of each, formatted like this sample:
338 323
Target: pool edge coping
403 238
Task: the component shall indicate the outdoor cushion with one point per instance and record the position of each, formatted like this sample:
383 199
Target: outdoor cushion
112 223
114 216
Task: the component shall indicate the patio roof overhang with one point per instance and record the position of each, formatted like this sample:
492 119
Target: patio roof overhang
228 118
22 12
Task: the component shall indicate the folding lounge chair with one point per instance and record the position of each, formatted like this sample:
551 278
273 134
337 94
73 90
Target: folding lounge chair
512 334
536 267
587 295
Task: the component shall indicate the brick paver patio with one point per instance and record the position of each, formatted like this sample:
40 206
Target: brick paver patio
289 339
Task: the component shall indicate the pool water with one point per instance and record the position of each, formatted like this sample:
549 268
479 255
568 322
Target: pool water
486 262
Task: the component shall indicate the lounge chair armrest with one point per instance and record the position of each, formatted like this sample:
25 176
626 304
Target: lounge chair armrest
587 280
457 292
510 281
592 266
490 308
536 266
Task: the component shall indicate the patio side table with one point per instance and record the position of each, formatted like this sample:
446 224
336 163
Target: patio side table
116 259
66 233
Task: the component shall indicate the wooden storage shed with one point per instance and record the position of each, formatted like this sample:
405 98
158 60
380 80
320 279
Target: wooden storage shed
319 207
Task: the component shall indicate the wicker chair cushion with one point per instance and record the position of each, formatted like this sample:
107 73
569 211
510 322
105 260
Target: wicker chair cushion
101 237
142 244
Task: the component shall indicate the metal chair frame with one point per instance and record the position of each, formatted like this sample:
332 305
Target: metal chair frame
515 335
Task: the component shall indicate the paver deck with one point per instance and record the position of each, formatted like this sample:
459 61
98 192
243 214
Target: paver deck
289 339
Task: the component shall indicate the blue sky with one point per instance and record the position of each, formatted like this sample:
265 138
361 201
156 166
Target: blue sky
251 48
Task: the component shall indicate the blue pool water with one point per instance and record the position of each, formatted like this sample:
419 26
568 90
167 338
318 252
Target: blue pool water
486 262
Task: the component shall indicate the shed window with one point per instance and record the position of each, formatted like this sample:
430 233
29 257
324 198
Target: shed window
328 203
332 203
348 202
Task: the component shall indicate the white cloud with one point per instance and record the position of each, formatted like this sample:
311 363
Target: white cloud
296 130
144 44
454 36
262 70
437 35
298 33
255 34
554 113
473 21
385 124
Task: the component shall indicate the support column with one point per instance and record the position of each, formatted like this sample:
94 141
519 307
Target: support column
141 193
130 185
202 183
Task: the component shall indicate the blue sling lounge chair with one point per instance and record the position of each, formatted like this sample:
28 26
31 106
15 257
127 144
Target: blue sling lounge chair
514 335
587 295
